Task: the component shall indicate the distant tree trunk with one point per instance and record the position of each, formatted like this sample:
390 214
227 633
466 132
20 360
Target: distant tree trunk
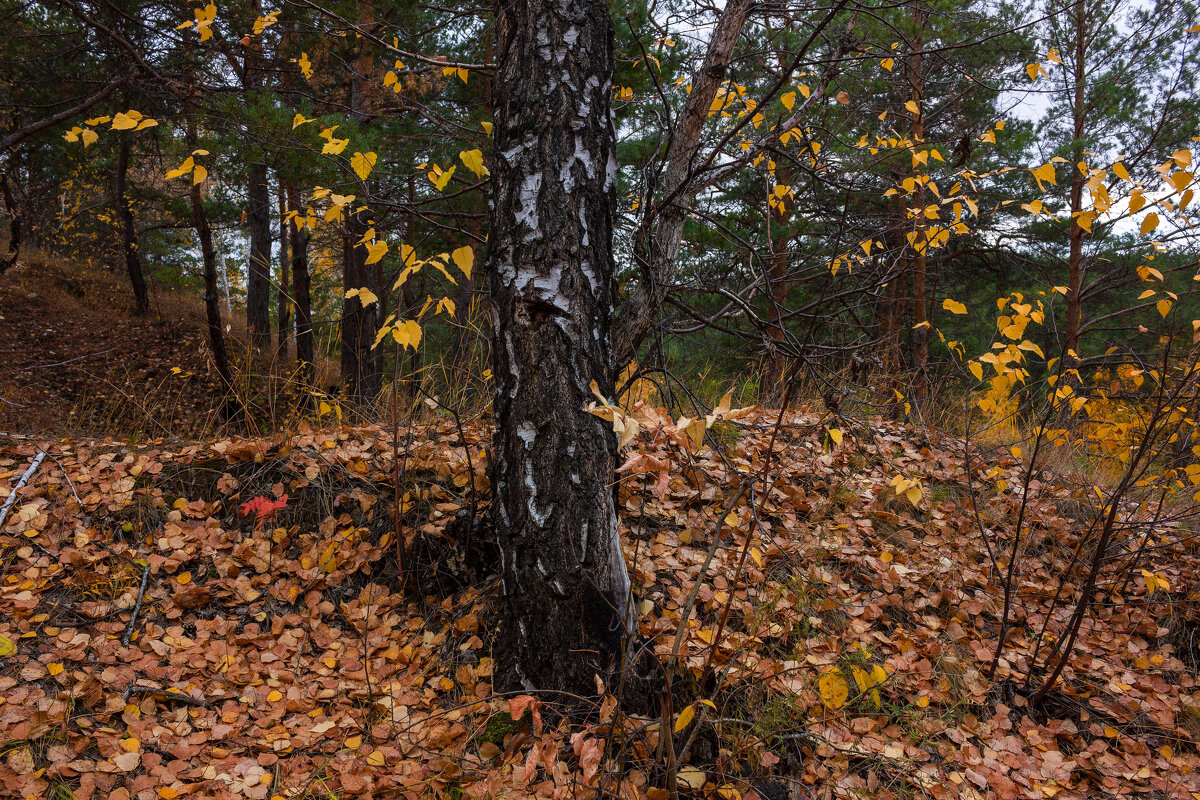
283 303
301 294
550 267
1075 263
212 296
774 364
258 268
920 340
258 271
7 260
361 373
129 237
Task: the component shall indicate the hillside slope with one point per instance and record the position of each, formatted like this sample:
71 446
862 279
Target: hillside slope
76 359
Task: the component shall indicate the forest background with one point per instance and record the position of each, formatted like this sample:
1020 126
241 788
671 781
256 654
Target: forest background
867 292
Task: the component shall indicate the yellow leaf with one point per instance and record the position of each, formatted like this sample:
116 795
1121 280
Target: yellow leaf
1045 173
274 696
439 178
913 108
464 259
334 146
364 295
124 121
199 174
474 161
1034 70
1163 306
953 306
184 578
167 793
182 169
732 519
692 777
7 647
1034 207
299 120
407 333
375 251
833 689
788 100
1149 223
836 436
1180 180
129 744
887 63
376 759
362 164
487 127
1122 173
88 136
685 718
55 668
354 742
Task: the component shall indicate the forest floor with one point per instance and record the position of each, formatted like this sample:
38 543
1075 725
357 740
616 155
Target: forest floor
75 358
226 619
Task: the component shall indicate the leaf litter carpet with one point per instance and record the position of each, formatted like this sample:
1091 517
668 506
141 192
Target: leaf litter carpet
838 645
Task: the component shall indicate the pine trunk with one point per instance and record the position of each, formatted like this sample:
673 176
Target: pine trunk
283 303
9 259
302 295
551 268
1075 263
212 296
258 273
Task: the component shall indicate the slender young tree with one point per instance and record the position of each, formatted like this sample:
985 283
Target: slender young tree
129 235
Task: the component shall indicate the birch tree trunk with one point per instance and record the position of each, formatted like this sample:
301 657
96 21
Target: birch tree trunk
550 266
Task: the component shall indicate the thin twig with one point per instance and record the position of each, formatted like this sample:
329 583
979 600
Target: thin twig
137 607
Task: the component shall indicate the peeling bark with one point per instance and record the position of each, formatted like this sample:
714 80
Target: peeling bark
550 267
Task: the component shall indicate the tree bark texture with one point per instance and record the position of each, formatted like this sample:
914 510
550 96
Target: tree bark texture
9 259
283 302
920 340
258 272
550 267
258 194
1075 261
129 237
302 294
212 294
361 375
